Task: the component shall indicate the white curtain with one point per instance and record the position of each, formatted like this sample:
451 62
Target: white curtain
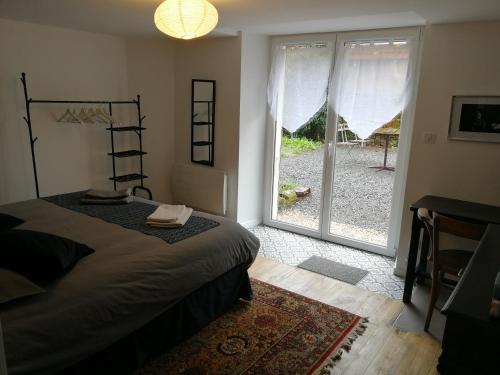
298 82
276 79
370 84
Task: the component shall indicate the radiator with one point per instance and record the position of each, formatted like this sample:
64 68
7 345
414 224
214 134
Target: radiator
202 188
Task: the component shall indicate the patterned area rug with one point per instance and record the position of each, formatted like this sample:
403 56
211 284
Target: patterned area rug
278 332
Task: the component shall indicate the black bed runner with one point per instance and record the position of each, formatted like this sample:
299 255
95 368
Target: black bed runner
133 216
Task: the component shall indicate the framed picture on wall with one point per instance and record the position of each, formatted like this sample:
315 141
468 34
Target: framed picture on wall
475 118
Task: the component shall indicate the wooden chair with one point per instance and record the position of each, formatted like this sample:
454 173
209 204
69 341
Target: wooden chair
446 261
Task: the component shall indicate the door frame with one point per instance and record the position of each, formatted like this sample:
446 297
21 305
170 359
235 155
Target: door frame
407 119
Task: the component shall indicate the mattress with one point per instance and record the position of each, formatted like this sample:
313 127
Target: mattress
129 280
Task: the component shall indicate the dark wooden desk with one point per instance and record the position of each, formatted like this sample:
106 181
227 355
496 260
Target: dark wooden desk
471 338
466 211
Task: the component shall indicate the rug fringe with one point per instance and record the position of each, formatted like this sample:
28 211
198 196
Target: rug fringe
346 346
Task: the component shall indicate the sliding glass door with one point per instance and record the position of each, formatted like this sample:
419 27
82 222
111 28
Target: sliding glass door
341 134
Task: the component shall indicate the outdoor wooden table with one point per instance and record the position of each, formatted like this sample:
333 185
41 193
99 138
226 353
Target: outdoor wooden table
386 133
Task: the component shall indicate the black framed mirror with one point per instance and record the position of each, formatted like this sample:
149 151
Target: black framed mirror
202 121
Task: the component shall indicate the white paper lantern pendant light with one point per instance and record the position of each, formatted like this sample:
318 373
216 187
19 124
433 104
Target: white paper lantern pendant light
186 19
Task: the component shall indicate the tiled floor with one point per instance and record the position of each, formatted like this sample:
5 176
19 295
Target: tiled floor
292 249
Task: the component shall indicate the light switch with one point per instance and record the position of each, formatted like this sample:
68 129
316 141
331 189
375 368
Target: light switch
430 137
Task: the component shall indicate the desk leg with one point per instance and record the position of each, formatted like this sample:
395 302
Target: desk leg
412 258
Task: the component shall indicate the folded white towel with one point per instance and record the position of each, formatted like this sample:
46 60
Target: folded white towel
179 222
108 201
166 213
108 194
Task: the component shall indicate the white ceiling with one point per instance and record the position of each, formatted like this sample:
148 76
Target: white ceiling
135 17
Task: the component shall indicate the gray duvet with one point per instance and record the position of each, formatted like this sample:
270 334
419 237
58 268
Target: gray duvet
130 279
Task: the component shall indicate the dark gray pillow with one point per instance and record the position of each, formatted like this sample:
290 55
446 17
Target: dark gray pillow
9 221
39 256
14 286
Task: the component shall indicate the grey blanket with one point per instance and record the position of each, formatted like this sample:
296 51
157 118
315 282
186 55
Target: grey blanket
129 280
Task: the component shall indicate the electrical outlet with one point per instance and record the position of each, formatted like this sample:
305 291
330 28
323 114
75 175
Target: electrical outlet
430 138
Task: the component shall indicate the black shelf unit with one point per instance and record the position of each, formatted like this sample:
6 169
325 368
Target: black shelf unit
205 126
138 129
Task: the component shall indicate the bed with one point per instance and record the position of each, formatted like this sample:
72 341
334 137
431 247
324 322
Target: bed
134 297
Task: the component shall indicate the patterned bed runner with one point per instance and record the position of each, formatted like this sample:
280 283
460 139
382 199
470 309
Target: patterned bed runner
133 216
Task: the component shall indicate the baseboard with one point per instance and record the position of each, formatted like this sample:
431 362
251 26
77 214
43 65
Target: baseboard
400 271
251 223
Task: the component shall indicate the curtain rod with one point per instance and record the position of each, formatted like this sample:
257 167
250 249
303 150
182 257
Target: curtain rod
376 42
319 44
304 45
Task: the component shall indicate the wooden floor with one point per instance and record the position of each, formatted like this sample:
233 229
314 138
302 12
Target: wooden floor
382 349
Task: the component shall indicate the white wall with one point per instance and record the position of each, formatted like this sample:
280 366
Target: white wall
457 59
75 65
217 59
64 64
255 64
150 65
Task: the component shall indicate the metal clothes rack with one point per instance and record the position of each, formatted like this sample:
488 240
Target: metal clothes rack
112 129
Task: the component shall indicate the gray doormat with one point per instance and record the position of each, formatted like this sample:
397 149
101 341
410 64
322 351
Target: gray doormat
335 270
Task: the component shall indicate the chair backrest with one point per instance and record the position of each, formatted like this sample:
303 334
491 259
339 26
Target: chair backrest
445 224
342 129
437 223
458 228
424 215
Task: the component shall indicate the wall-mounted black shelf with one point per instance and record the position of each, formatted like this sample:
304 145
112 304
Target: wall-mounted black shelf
205 162
202 143
128 177
114 154
126 129
126 154
202 121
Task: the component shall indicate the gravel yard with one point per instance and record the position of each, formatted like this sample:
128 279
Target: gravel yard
362 196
